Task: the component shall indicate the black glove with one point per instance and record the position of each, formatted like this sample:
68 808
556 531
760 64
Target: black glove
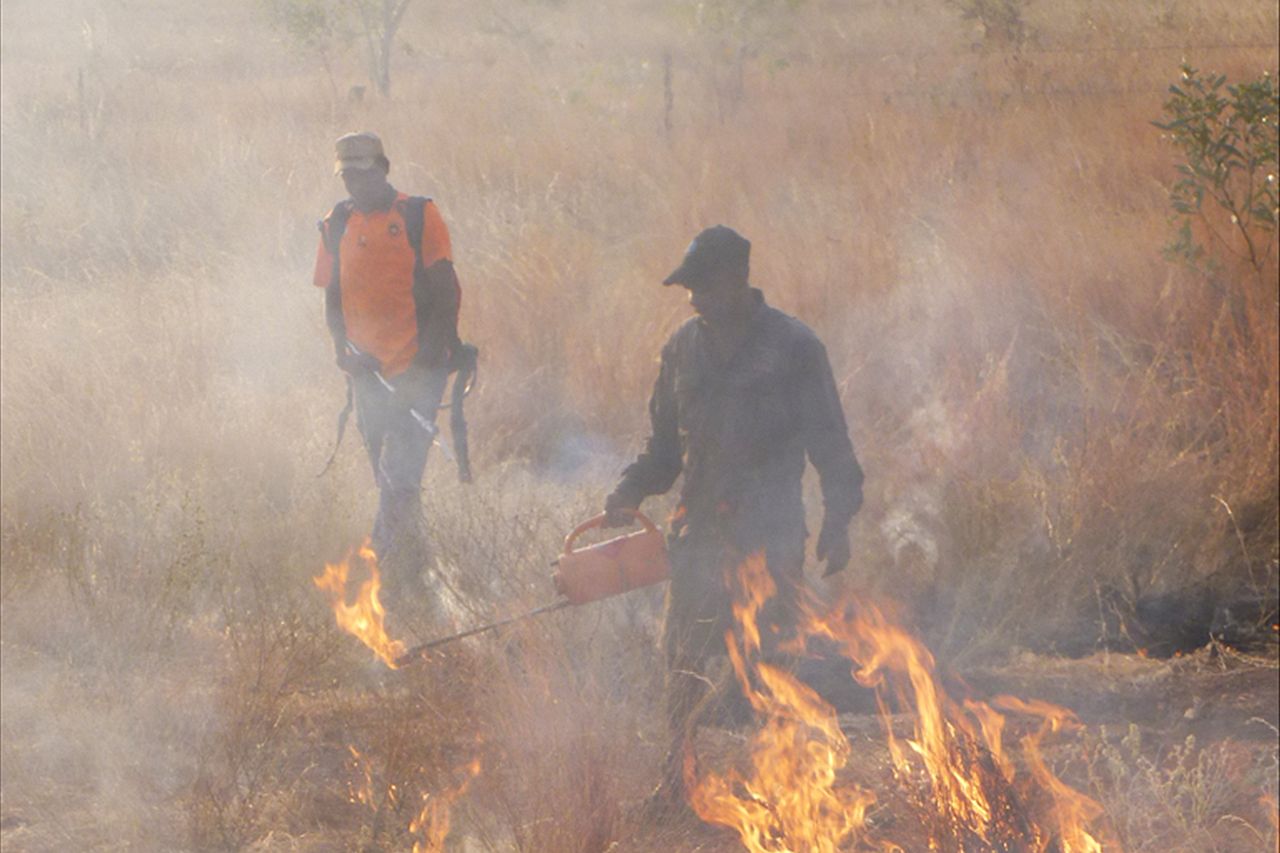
619 510
357 364
833 546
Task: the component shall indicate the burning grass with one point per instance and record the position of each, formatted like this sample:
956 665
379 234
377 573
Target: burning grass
365 617
791 799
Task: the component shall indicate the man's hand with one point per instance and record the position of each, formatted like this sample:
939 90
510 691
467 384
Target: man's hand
833 546
357 364
619 511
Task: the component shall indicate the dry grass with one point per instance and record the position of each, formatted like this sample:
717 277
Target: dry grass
1186 796
1045 408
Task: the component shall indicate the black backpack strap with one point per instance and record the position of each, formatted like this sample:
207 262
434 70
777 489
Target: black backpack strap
332 227
413 211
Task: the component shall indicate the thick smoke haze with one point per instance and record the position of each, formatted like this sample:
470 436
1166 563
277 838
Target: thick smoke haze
1070 440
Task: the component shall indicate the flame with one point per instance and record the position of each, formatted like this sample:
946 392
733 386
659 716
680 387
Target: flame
1069 810
431 825
365 617
792 798
433 820
362 794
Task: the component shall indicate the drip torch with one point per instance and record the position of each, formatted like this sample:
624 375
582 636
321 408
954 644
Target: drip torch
586 574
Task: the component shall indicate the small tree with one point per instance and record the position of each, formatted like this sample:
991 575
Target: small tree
737 30
1001 21
1228 135
379 21
316 27
324 28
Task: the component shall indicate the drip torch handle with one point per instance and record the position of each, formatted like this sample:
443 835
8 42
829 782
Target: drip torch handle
597 521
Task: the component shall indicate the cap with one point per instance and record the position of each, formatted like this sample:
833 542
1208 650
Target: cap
358 151
717 247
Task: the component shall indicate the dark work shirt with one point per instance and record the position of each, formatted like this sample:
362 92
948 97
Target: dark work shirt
739 430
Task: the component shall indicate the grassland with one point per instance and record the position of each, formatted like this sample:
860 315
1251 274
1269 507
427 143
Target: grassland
1058 424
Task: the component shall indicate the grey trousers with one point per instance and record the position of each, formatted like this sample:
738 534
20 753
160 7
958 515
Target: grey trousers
397 447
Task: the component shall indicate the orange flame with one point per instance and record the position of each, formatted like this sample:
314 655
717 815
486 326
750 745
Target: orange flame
364 793
970 800
1070 811
792 802
791 799
364 618
433 820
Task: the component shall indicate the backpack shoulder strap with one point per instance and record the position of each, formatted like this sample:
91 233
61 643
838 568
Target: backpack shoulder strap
333 226
413 210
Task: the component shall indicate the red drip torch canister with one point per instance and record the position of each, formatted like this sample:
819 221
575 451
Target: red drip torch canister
611 567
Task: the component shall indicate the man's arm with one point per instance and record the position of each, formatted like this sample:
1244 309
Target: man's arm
657 467
437 295
826 438
333 317
325 275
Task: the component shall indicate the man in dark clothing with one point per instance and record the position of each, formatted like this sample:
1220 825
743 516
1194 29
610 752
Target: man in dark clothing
391 304
743 394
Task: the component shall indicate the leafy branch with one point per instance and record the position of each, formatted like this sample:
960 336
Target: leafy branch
1228 136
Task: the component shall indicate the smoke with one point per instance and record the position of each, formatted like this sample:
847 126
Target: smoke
99 752
980 266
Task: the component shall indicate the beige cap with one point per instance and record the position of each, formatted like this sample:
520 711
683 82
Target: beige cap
358 151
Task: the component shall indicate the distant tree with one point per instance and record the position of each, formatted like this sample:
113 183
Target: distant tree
1001 21
736 31
1228 136
325 28
316 28
379 21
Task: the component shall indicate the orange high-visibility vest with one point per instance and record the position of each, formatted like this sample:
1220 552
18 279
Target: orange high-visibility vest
374 259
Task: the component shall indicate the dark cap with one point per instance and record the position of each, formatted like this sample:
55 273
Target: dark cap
718 247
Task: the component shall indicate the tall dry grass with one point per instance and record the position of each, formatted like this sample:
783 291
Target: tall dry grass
1046 409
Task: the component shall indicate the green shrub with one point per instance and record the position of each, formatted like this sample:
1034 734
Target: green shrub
1228 136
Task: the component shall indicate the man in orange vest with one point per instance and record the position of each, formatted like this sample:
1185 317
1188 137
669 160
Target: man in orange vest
391 304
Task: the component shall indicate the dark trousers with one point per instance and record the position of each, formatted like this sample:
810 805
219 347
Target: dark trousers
397 446
701 686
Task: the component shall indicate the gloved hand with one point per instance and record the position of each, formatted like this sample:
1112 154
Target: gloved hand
618 510
833 546
355 364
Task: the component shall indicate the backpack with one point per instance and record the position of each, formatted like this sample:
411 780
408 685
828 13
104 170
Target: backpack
464 364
